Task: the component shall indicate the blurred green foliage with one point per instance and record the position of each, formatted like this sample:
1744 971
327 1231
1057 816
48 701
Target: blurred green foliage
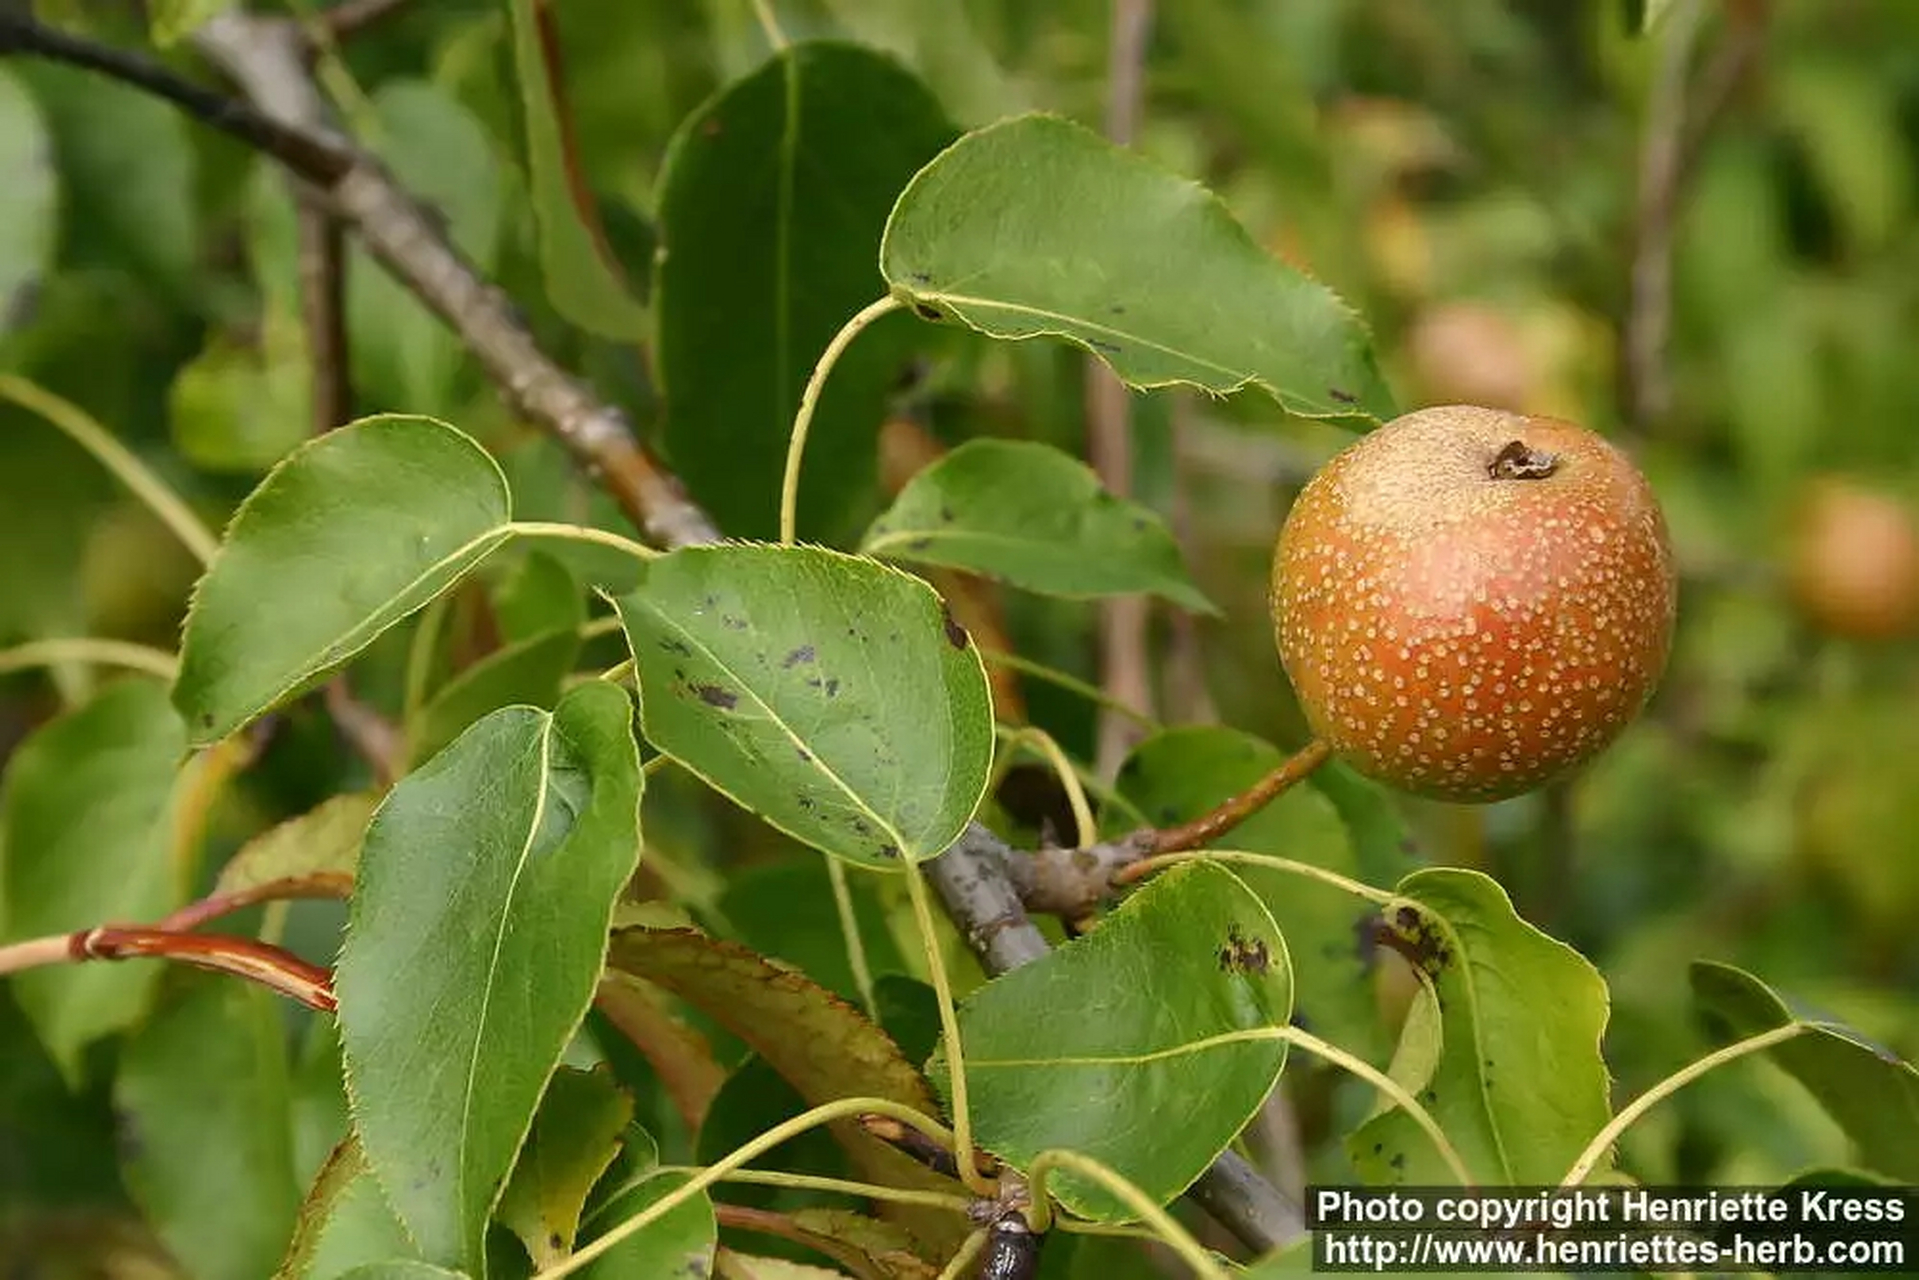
1467 174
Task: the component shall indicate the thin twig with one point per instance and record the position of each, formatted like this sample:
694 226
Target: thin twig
272 967
373 737
316 885
322 259
1211 826
1675 133
1124 660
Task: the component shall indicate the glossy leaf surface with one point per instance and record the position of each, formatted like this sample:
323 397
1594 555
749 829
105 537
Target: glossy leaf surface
1027 514
1157 1012
772 200
1038 226
831 695
1869 1090
1520 1086
348 535
487 879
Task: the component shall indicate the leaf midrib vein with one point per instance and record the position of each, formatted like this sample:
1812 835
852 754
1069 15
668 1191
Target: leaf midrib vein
1246 1036
493 962
1004 304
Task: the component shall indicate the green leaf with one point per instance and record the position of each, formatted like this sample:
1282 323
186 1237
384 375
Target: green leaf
527 672
575 1136
85 811
28 218
126 177
1182 773
344 1221
680 1243
1383 846
833 696
822 1046
1029 515
1187 971
326 838
403 356
1038 226
235 409
772 199
402 1269
1872 1094
581 283
203 1103
1520 1086
486 887
348 535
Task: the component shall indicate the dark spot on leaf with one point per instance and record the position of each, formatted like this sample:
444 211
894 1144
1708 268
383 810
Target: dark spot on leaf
555 1241
806 757
802 654
946 515
1100 344
206 719
1378 1147
1116 310
711 127
860 828
1344 397
833 688
889 851
677 646
919 544
805 802
1398 1161
1416 938
927 311
1139 524
1168 815
1242 954
955 633
919 277
709 602
1131 768
732 623
714 696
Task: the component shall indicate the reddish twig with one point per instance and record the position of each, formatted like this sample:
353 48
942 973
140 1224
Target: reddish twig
320 884
272 967
1210 827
